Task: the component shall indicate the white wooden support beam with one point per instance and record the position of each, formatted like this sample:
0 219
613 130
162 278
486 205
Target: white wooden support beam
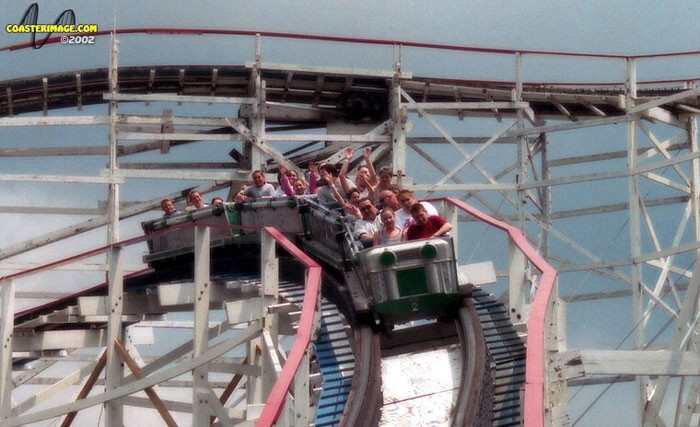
94 223
200 340
684 320
595 110
633 197
559 106
430 106
257 124
165 97
575 125
70 339
7 317
71 179
399 117
665 100
476 153
496 113
271 353
661 149
302 399
663 363
250 309
451 215
53 121
179 352
335 71
225 417
150 392
166 128
113 371
440 129
68 379
269 269
112 164
518 291
132 387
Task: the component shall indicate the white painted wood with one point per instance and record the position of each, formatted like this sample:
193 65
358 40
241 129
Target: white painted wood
429 106
665 100
244 311
71 179
478 273
574 125
54 121
18 266
94 223
628 362
167 97
200 375
305 69
63 383
518 285
135 386
114 370
7 316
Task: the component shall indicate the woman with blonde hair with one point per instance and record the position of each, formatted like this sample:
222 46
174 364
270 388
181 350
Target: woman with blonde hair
389 232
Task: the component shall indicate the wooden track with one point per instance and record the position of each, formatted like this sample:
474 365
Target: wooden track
325 89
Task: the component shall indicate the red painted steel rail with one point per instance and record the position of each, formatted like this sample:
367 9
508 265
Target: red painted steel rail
534 363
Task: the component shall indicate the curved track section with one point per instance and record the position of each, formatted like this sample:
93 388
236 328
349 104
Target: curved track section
492 367
475 398
364 403
324 89
462 338
507 352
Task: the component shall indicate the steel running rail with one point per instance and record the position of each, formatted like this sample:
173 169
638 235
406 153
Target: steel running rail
534 363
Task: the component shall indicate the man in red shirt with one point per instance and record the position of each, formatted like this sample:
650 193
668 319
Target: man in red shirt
425 226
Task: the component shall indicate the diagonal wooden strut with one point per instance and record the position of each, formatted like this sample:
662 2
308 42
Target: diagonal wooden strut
89 384
152 395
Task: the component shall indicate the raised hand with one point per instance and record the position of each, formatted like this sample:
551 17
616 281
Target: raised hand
349 153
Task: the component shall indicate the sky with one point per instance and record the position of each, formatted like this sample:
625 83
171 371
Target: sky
596 26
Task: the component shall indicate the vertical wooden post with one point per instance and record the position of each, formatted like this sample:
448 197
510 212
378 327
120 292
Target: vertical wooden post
522 142
7 318
200 340
114 370
451 215
518 292
270 289
398 116
113 191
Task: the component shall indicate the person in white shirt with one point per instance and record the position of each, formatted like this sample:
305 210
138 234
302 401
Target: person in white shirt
403 216
370 223
194 201
259 189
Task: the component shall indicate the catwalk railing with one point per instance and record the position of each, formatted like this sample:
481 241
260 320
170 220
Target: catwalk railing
420 49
